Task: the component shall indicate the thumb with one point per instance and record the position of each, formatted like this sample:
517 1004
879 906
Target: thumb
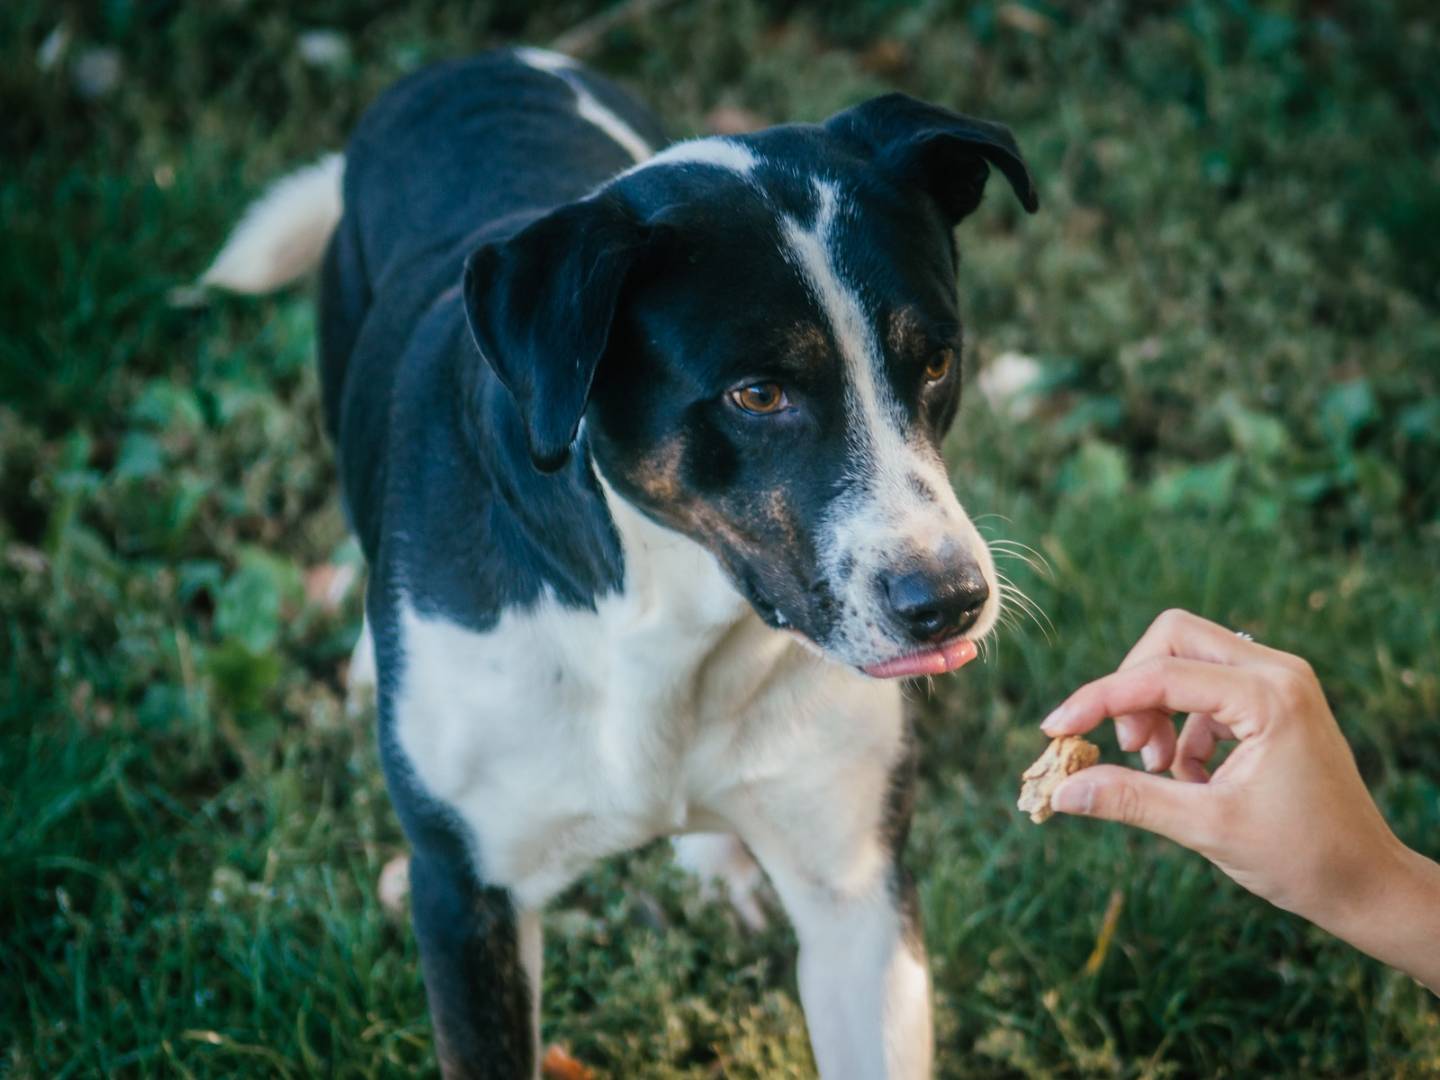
1169 807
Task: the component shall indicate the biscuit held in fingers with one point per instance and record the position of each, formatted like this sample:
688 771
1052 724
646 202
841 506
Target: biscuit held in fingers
1062 758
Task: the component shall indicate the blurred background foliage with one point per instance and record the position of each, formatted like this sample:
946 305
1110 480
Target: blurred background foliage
1207 373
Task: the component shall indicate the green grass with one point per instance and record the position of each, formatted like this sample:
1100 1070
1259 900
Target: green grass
1233 288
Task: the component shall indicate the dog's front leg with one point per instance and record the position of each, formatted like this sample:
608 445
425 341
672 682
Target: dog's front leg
481 958
863 981
835 861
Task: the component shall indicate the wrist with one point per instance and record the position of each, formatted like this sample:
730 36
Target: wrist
1394 915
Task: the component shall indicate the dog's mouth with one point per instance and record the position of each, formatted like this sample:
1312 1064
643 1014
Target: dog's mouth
933 660
937 660
769 614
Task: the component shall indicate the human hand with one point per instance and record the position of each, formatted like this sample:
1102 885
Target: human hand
1286 814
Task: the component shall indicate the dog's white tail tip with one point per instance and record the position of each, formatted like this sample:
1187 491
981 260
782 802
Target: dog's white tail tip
283 234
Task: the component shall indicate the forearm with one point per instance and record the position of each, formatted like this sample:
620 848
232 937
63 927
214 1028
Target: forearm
1398 922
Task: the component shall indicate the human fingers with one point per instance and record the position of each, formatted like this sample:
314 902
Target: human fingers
1163 683
1177 632
1196 746
1151 734
1159 752
1134 730
1167 807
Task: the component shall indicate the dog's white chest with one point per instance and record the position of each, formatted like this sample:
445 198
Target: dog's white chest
562 735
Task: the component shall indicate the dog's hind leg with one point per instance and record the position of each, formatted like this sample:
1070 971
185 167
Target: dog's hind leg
480 953
720 859
361 677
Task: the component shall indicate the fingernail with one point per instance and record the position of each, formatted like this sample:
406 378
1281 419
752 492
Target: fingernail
1055 720
1150 755
1073 797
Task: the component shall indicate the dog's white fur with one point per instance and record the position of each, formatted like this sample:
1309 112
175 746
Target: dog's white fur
563 735
712 150
283 234
586 104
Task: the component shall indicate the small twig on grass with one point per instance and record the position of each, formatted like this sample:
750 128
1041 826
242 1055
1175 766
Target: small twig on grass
1108 922
583 38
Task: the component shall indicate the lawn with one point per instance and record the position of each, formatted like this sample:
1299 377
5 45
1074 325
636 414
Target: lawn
1232 300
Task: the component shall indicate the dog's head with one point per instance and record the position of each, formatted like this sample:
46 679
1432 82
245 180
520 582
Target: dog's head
762 336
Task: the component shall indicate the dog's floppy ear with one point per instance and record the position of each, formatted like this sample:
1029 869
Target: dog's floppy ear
540 306
943 153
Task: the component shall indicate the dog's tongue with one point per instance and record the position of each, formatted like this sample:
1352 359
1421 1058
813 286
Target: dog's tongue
933 662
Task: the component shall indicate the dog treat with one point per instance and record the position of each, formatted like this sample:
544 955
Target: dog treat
1063 757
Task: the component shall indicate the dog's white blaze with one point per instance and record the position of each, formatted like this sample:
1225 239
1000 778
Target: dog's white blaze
621 132
882 512
812 253
712 150
546 60
586 105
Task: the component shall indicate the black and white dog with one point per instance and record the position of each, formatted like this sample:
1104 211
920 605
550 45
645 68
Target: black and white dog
642 447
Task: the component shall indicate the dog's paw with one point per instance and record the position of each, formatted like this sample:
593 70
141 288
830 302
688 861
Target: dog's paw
721 862
393 887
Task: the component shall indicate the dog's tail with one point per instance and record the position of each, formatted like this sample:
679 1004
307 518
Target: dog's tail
283 234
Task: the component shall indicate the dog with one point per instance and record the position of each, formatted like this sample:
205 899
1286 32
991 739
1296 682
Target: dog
641 441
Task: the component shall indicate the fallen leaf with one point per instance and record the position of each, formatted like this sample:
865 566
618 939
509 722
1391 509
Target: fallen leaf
559 1065
327 585
886 57
733 120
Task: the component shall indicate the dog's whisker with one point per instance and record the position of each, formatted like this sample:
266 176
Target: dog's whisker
1032 610
1024 552
1013 623
1004 553
1027 604
1028 554
1023 602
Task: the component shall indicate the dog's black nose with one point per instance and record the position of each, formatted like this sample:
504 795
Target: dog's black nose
936 603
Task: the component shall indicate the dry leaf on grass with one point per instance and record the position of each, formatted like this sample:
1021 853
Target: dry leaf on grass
559 1065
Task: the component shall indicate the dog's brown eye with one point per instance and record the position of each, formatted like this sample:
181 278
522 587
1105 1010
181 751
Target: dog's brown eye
939 365
760 398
